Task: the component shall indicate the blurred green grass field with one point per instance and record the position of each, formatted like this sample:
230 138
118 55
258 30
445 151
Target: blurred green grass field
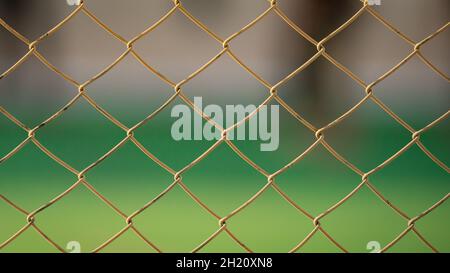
223 181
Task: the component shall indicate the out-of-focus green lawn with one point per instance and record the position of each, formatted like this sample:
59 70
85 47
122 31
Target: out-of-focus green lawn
223 181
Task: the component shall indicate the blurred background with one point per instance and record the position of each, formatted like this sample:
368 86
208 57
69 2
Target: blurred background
223 181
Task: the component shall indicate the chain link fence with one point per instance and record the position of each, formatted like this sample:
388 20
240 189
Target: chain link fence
270 178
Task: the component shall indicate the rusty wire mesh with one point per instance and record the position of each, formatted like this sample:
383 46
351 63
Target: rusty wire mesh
319 133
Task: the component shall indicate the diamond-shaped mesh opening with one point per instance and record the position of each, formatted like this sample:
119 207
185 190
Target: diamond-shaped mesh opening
432 225
414 21
120 179
376 45
272 147
173 222
364 151
11 135
415 201
118 89
435 141
16 220
310 185
34 81
80 211
285 229
137 18
73 138
370 220
431 92
11 50
172 47
66 50
272 61
216 18
232 86
319 101
213 177
186 147
332 14
49 178
434 53
31 18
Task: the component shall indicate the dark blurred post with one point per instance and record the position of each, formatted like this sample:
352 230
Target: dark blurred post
16 13
318 18
326 15
31 19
